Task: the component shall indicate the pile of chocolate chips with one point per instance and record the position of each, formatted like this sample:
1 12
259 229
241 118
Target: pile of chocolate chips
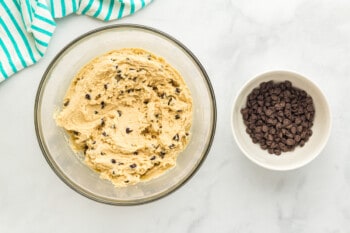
278 116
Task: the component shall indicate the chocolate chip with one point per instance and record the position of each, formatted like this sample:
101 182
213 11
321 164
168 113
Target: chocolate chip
170 99
177 116
103 122
286 122
268 112
300 129
270 137
290 142
265 128
162 95
136 153
118 77
128 130
176 137
162 154
153 157
103 104
113 161
133 165
66 103
88 97
119 113
293 130
277 152
96 112
105 86
174 83
104 134
130 90
177 90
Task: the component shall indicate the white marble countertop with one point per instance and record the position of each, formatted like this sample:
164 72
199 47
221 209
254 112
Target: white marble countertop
234 40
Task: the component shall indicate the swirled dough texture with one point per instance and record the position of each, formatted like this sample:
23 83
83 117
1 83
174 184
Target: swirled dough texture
130 112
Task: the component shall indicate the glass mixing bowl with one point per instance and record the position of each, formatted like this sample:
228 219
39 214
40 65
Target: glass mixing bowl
54 141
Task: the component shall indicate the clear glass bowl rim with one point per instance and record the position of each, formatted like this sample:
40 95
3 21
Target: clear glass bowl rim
51 161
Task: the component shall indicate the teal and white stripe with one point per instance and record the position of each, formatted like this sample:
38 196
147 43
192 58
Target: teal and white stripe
112 9
26 26
24 36
101 9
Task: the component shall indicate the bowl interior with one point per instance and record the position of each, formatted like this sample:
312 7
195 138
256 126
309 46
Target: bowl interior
54 141
301 155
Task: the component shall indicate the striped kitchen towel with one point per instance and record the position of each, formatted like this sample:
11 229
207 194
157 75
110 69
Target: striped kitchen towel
26 26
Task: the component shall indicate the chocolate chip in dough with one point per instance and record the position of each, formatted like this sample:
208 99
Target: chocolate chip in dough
162 154
103 104
128 130
119 113
176 137
66 103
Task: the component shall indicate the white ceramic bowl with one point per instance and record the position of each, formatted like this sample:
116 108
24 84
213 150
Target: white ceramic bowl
300 156
53 139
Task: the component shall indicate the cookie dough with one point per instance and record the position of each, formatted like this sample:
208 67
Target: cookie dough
130 113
